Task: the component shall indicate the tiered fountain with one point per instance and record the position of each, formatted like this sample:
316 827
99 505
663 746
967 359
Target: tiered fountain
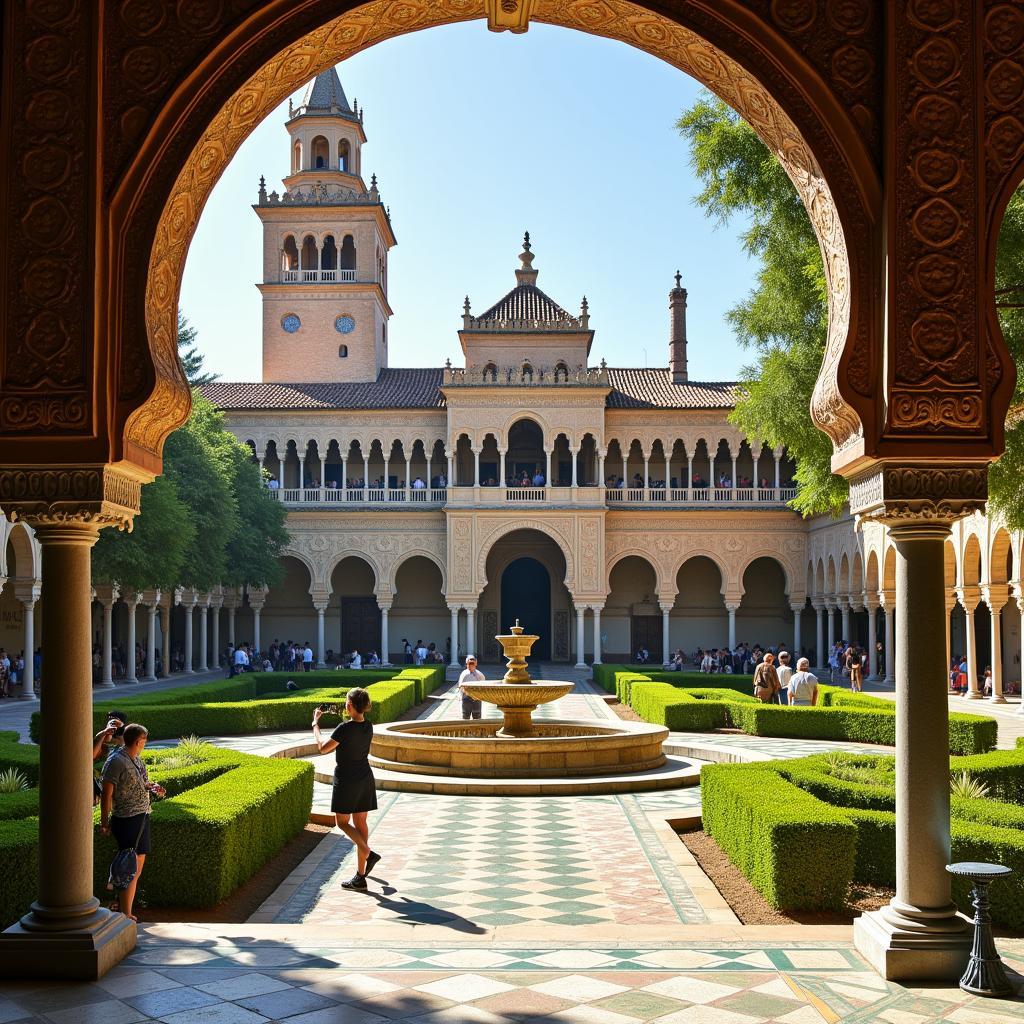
529 757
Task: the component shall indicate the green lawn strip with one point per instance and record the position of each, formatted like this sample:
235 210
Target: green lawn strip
749 810
840 715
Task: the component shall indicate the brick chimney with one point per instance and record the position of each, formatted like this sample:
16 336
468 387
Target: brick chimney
677 332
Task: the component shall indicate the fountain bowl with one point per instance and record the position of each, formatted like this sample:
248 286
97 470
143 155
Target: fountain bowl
517 702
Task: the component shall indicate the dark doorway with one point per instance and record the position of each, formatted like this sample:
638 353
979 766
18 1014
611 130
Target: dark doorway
646 632
526 595
360 625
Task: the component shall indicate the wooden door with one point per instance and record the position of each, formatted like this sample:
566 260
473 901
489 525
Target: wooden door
360 625
646 632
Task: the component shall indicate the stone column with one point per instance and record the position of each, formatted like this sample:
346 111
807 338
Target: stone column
152 598
844 608
165 625
107 594
666 608
581 661
343 482
66 920
731 607
733 476
574 453
501 467
798 610
470 628
819 623
189 604
602 454
969 597
131 600
596 609
204 634
950 605
454 609
919 934
873 637
451 469
547 455
385 607
778 460
321 608
476 467
216 604
231 618
257 598
995 597
1019 597
408 481
647 475
28 602
689 474
890 651
830 609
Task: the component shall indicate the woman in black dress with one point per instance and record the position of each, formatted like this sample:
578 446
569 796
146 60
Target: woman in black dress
355 792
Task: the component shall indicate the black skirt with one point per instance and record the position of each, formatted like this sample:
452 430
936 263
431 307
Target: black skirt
353 796
131 832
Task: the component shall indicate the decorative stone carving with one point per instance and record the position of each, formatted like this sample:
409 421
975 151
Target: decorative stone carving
907 493
101 495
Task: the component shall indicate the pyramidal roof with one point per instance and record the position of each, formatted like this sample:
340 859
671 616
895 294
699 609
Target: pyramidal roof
526 301
324 95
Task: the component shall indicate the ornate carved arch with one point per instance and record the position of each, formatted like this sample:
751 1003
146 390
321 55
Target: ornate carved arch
636 552
431 556
504 528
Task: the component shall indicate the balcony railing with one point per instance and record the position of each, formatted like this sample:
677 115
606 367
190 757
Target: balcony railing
306 276
468 495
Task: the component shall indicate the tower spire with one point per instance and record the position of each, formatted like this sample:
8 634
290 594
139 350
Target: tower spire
677 332
526 274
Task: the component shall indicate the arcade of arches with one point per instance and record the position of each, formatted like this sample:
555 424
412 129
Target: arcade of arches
900 125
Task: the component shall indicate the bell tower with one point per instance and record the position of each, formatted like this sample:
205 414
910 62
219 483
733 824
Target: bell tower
326 239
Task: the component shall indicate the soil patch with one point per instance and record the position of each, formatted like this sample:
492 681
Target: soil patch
248 898
752 908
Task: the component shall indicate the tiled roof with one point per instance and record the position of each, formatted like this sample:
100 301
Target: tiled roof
652 388
404 388
526 302
394 389
324 95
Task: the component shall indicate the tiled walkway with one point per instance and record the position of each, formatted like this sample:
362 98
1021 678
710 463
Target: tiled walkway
233 975
490 910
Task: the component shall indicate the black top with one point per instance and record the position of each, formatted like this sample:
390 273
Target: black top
351 753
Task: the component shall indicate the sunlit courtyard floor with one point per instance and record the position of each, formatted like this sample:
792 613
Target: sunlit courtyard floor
498 909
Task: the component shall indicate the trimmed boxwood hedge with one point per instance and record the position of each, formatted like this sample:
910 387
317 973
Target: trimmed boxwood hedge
748 809
223 819
840 715
258 701
604 676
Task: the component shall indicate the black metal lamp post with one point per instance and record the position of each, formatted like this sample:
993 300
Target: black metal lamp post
985 975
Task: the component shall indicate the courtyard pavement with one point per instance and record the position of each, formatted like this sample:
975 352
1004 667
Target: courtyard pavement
492 910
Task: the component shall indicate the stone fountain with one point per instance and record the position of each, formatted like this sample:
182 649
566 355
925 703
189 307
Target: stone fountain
517 695
515 755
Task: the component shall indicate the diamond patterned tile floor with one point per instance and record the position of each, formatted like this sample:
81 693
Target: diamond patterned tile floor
770 982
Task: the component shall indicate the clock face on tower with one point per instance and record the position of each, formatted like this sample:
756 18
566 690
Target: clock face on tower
291 323
345 325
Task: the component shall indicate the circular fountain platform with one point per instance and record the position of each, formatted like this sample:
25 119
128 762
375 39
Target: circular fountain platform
557 748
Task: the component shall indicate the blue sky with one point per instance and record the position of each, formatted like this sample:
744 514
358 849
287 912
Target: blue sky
476 137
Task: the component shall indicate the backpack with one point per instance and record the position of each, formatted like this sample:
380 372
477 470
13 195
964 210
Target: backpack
125 864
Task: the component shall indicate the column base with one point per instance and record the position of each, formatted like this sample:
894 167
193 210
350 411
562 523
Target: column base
975 695
28 696
106 686
129 681
77 954
581 665
906 949
999 699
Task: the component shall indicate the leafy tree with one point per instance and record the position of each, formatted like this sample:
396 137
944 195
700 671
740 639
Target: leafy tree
784 319
195 462
255 547
191 358
153 554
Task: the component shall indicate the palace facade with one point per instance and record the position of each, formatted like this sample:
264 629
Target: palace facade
608 508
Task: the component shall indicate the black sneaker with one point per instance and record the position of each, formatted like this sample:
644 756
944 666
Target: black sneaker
355 882
372 860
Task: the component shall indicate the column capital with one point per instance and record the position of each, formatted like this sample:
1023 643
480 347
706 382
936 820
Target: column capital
732 606
257 598
968 598
106 593
919 501
869 600
27 591
995 595
887 599
667 606
843 602
817 604
797 606
597 607
384 603
132 597
320 600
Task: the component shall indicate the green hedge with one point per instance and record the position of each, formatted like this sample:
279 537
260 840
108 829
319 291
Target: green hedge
21 756
604 676
259 702
855 718
223 819
749 809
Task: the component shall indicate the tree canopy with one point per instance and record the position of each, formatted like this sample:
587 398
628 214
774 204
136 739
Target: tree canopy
208 520
784 319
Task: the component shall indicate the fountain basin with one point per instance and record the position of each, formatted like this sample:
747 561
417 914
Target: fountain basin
517 702
557 749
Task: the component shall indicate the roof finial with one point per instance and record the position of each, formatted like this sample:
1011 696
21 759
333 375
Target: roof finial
526 274
465 306
679 278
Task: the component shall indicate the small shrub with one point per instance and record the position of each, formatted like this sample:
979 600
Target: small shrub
12 781
962 785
